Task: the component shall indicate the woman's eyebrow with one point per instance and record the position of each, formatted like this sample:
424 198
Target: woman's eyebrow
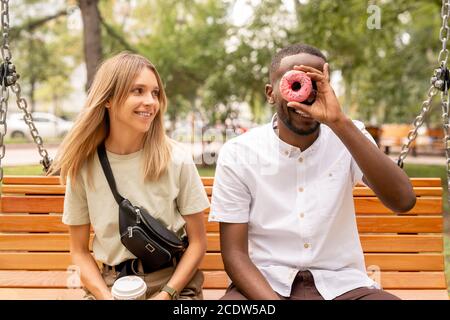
144 85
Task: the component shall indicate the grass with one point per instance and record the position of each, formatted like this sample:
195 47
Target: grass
431 171
28 141
413 170
35 170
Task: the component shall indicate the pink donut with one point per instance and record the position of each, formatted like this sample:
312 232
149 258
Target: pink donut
295 86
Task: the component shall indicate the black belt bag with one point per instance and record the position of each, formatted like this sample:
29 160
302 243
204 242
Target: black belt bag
144 236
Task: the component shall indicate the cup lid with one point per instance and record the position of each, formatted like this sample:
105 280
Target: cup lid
128 287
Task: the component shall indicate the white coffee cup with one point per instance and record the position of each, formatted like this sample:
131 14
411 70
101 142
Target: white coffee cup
129 288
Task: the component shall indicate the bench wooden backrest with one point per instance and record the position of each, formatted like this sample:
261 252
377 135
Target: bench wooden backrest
401 251
395 130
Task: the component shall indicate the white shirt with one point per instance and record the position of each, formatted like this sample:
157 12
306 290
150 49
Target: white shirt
298 206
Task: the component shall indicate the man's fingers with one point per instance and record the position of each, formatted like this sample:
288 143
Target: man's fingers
326 71
320 80
307 69
316 76
300 106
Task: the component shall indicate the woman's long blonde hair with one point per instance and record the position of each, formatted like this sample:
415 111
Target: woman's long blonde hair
112 84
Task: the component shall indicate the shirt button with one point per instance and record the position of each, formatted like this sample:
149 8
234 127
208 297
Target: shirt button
302 215
286 152
300 160
330 174
306 245
300 189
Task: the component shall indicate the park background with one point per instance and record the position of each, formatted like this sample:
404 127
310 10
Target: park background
214 57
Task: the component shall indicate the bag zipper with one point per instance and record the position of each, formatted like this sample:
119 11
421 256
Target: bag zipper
138 215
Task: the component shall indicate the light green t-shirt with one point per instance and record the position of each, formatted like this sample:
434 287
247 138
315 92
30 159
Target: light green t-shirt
178 192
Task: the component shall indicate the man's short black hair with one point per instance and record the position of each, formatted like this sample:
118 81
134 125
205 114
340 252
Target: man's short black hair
291 50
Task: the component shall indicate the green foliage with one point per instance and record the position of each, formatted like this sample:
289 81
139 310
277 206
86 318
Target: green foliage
185 40
44 52
208 64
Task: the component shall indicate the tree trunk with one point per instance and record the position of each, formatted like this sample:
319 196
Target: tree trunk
92 37
32 107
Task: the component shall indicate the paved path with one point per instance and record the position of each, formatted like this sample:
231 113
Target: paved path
27 154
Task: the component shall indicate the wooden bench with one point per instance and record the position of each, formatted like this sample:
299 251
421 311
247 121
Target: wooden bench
428 141
395 135
404 252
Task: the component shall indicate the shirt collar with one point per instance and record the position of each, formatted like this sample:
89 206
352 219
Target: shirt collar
288 150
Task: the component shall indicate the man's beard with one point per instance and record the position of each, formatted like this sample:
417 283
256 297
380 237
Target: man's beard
298 131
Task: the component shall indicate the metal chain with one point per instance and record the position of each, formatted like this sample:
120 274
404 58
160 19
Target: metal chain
4 94
9 78
445 127
442 59
438 82
417 123
22 104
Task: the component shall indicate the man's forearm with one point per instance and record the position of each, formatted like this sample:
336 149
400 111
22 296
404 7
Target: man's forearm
387 180
247 278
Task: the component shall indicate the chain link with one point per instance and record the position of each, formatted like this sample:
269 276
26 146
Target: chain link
9 79
417 123
445 120
439 81
4 93
28 118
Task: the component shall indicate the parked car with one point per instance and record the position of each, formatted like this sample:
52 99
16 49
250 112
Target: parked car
47 124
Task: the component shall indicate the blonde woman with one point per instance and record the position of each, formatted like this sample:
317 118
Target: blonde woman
124 110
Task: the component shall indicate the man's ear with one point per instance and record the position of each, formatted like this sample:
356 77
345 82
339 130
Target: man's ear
269 94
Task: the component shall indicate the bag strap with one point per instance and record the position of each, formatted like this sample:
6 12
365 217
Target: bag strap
101 150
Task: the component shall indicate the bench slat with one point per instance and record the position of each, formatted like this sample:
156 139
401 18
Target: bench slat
369 224
32 204
372 205
41 294
424 206
217 279
363 205
376 224
60 279
367 192
60 189
213 261
32 223
399 224
402 243
370 243
51 180
209 294
421 294
419 191
33 189
207 181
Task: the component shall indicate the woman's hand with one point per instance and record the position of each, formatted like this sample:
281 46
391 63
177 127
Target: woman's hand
326 108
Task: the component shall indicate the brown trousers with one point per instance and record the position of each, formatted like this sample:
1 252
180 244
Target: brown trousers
304 288
155 282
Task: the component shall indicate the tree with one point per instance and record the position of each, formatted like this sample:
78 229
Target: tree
34 41
91 37
185 40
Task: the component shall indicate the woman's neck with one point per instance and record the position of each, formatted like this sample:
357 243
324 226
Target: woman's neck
124 143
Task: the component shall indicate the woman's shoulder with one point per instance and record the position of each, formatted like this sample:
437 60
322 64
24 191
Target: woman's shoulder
180 153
